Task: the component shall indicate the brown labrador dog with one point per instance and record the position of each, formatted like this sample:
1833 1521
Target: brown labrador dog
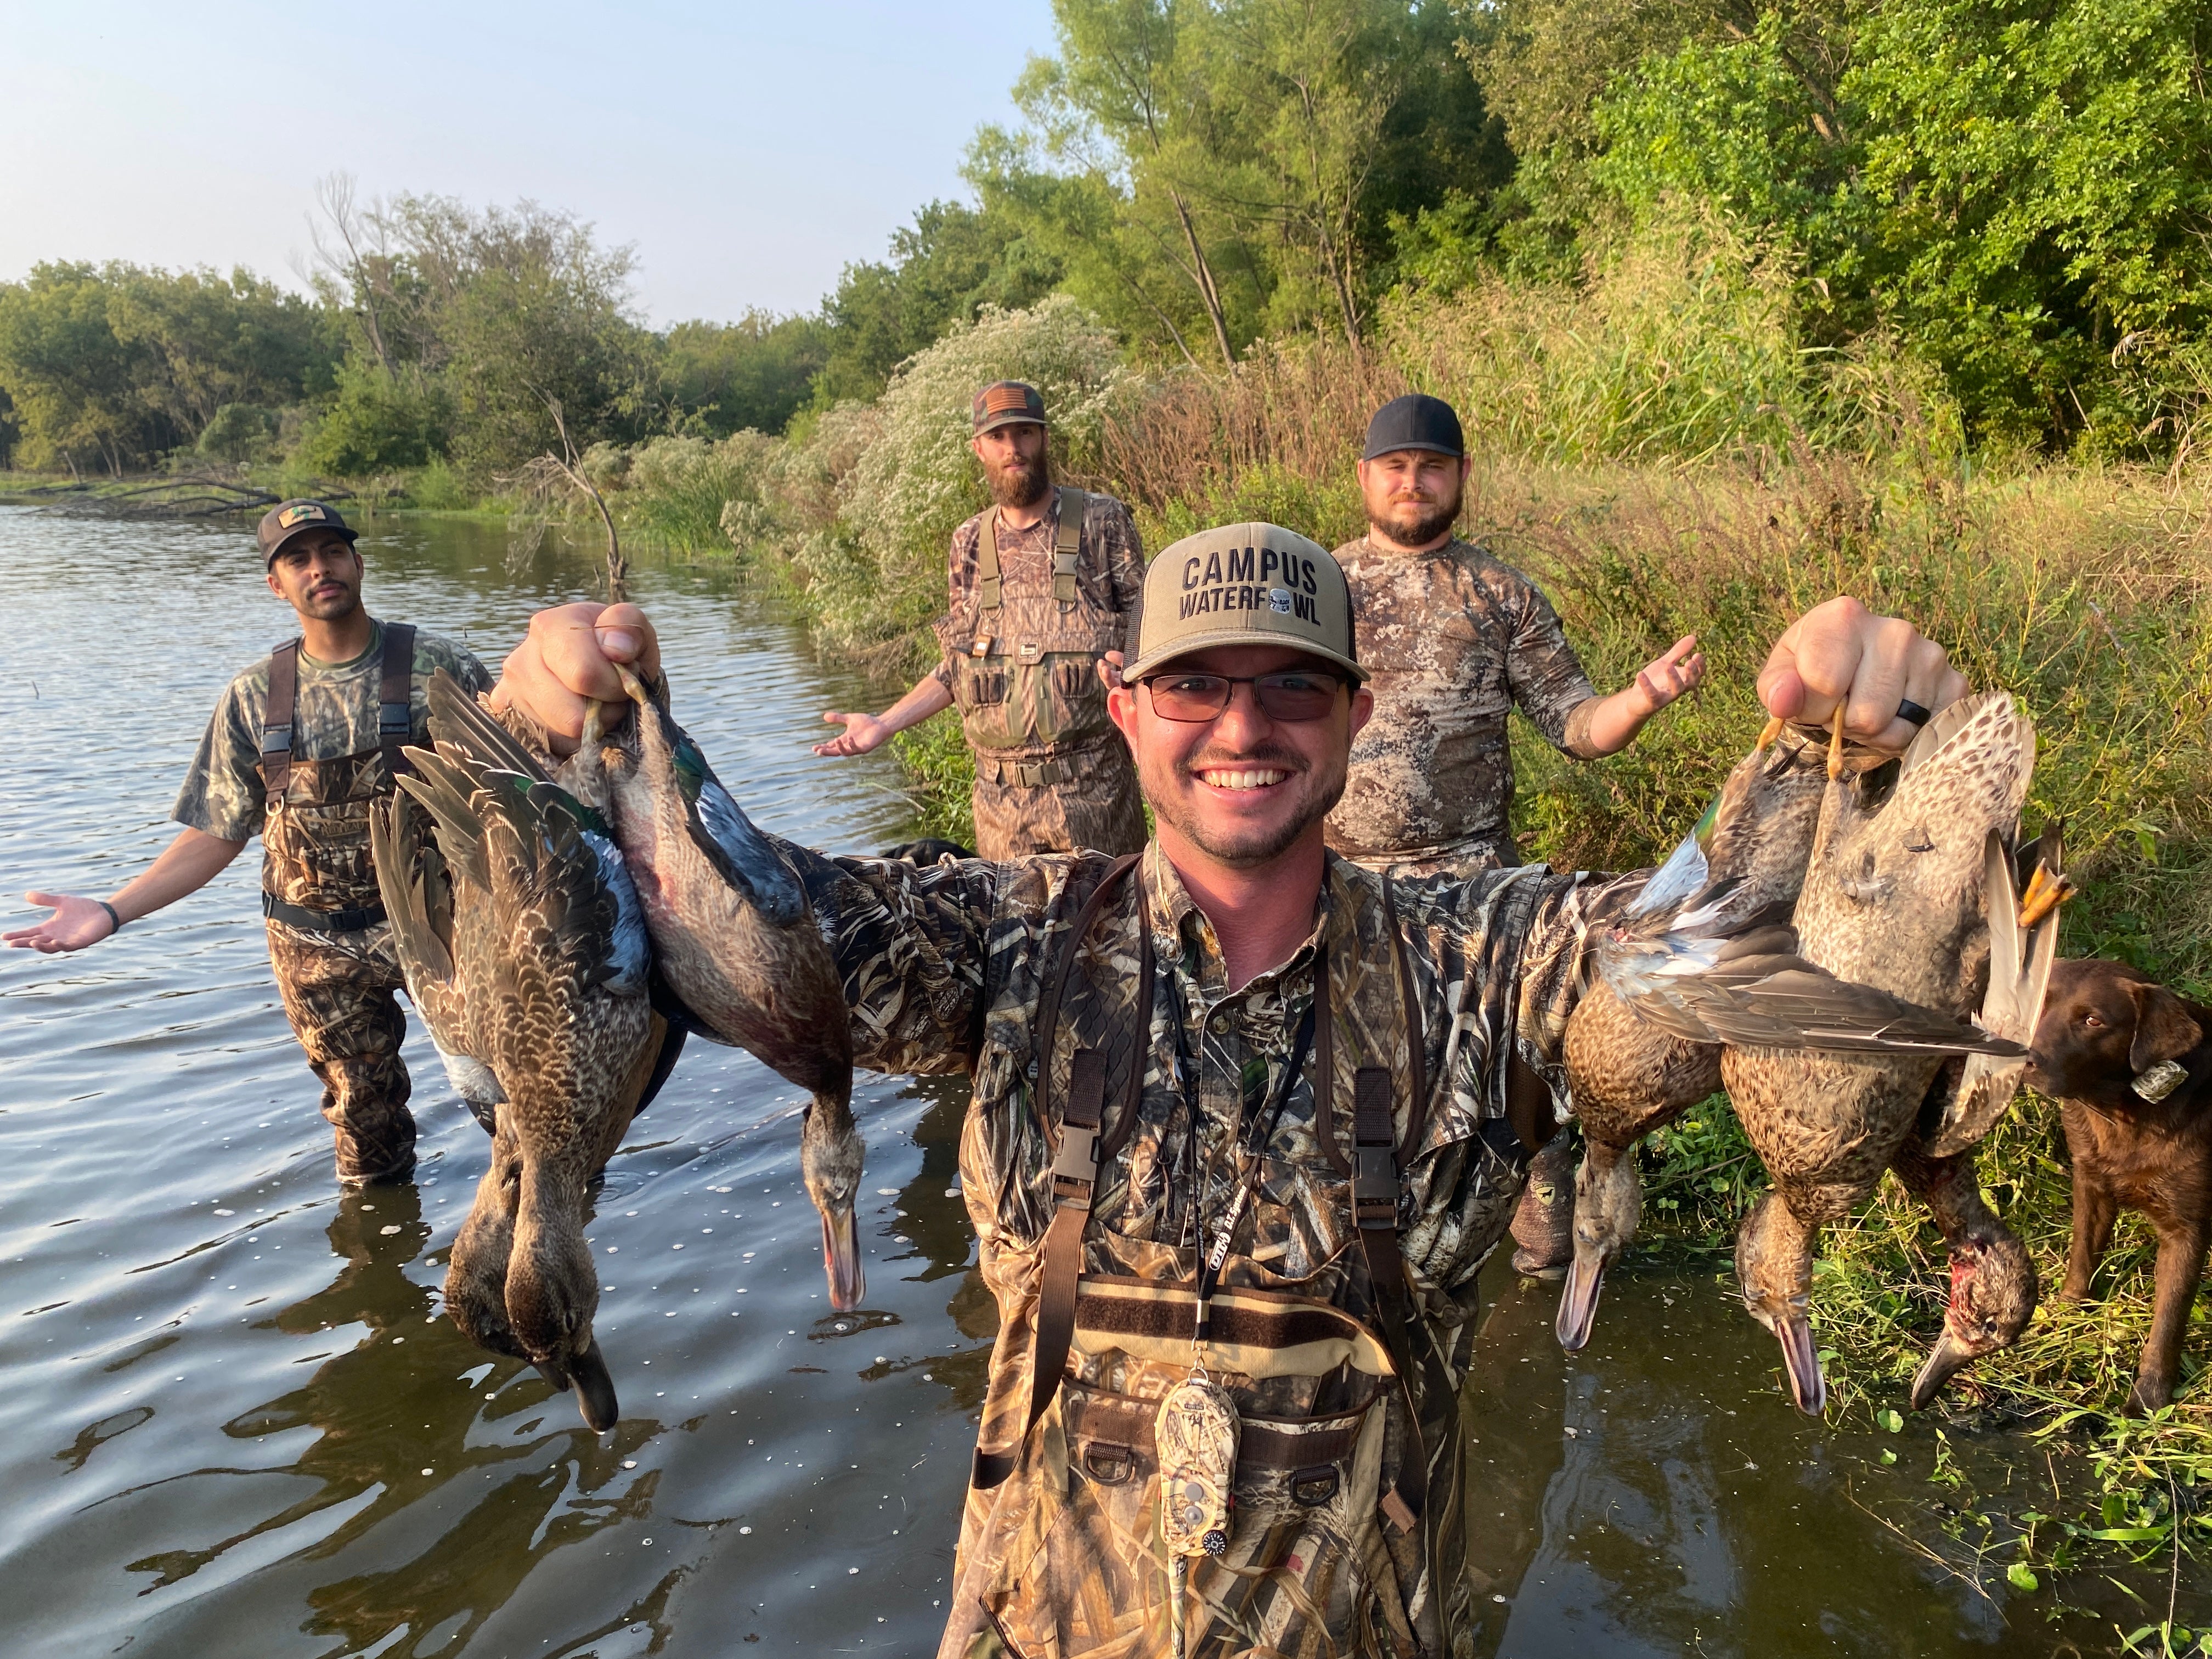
2130 1064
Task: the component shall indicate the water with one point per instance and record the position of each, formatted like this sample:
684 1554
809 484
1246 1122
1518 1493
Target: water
234 1423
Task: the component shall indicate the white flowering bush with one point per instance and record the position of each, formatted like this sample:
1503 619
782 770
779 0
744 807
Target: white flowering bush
903 478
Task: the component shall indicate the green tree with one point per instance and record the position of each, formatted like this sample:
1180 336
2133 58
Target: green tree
943 269
752 374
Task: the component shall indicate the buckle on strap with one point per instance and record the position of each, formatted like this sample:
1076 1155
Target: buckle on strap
1076 1169
1374 1186
277 741
394 720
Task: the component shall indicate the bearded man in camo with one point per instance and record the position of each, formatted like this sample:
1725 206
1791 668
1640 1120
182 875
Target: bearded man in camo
299 744
1238 1103
1455 639
1039 587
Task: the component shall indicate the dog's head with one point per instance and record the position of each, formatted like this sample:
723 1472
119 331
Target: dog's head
2112 1037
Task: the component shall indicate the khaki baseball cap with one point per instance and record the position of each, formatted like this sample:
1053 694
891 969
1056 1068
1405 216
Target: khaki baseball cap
1243 584
286 519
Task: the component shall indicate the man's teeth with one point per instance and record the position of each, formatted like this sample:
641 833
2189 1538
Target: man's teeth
1258 778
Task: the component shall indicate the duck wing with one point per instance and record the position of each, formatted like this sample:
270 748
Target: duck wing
416 887
2020 961
733 844
1755 991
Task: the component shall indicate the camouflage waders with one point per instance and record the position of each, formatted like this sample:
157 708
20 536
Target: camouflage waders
1544 1221
329 943
1052 773
1347 1533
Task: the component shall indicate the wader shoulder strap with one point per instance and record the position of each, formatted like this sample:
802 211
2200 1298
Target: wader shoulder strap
1067 544
1075 1170
276 712
1376 1187
987 584
1066 547
395 726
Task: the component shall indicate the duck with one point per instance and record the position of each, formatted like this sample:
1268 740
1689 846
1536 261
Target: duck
1993 1286
1629 1073
1895 900
523 944
735 939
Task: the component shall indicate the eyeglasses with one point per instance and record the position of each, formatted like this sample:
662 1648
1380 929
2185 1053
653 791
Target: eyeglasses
1295 695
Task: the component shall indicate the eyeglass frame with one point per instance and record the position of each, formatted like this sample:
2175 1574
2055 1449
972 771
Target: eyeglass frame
1233 681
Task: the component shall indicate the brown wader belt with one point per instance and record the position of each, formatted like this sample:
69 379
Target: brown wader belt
395 726
1066 543
1374 1188
1075 1170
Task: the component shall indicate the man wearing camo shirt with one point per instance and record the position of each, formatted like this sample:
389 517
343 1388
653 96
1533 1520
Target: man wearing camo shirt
299 744
1455 638
1042 583
1239 1050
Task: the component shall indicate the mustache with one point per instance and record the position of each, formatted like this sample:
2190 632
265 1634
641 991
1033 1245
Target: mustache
1267 754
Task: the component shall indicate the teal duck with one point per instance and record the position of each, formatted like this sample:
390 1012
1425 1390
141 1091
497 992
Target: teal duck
1630 1074
525 948
1896 898
736 940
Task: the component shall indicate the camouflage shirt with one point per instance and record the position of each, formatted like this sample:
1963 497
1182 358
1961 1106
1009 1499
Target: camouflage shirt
335 716
1453 638
944 969
1109 572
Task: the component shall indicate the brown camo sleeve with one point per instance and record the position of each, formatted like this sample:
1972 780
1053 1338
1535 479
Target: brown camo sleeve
1546 676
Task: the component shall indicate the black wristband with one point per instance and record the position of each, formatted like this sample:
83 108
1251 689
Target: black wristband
117 921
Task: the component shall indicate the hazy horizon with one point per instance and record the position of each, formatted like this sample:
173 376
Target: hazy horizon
748 157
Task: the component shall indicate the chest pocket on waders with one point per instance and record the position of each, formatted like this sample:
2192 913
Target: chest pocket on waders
314 838
1024 665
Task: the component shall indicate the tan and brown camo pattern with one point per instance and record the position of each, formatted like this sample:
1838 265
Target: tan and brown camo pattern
1035 693
337 992
1455 639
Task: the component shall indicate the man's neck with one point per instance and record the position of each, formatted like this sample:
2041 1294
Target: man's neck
1261 915
338 640
1027 518
1384 542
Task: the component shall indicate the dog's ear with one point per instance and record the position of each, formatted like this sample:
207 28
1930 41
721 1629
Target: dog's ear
2164 1030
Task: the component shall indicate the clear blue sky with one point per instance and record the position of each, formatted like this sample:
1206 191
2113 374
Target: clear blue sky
749 151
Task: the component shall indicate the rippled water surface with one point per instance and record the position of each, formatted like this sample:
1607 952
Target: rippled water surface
234 1423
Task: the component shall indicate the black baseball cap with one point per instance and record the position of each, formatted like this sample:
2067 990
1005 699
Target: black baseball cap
1006 403
1414 421
288 519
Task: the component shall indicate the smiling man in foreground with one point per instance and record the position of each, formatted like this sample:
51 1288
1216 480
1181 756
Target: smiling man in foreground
1247 1119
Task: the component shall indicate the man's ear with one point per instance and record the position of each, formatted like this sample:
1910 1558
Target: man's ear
1363 707
269 575
2164 1030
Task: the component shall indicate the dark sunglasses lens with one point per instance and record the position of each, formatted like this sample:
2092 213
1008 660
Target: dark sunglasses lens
1296 697
1189 696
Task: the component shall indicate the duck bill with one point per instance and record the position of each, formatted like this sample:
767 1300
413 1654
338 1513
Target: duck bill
841 1259
595 1389
1578 1301
1802 1361
1949 1357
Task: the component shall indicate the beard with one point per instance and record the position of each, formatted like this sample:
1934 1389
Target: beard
1415 524
1248 848
1017 485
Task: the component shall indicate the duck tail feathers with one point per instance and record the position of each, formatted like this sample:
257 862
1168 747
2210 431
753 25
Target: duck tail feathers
458 719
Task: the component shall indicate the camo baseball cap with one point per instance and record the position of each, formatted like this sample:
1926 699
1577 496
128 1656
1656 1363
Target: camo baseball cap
1243 584
1007 403
286 519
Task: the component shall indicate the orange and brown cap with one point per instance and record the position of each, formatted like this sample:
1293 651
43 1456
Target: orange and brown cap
288 519
1007 403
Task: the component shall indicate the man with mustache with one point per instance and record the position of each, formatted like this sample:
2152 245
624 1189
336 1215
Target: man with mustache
1455 638
1246 1119
297 749
1042 583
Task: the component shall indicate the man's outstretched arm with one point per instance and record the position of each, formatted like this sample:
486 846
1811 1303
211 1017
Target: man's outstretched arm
864 732
186 865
